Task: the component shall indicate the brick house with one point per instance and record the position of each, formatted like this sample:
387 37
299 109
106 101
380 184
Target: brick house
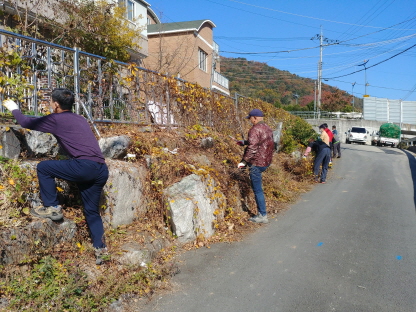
186 50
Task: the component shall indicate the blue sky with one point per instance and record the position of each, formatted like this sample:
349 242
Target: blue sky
280 34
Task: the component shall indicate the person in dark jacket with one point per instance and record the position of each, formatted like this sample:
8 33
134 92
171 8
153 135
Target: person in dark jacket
322 157
258 157
86 166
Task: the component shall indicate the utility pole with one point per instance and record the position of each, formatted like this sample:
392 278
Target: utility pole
314 102
320 74
321 46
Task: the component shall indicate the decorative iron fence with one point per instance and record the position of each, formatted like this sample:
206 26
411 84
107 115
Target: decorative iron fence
119 92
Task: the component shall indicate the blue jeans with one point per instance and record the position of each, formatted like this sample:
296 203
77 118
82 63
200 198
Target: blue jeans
257 186
90 178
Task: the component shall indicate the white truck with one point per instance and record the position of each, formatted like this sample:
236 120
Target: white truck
389 135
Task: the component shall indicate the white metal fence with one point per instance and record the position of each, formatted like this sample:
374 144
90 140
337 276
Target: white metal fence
396 111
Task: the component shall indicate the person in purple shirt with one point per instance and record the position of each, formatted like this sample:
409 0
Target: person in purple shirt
86 166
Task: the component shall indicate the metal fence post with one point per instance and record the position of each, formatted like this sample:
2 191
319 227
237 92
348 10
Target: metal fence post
76 79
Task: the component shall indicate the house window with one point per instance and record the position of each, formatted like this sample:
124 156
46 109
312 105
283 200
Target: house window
202 59
129 5
130 10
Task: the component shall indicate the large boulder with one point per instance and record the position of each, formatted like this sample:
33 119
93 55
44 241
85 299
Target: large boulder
39 144
193 204
124 199
9 143
114 147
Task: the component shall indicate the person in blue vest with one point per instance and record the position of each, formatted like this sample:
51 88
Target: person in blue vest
86 165
336 143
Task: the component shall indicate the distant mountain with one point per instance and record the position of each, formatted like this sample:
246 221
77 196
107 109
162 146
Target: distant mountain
281 88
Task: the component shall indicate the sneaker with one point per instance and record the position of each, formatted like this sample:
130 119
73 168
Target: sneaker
259 219
101 255
52 212
339 157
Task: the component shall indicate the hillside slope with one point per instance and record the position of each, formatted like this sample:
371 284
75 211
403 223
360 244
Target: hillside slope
281 88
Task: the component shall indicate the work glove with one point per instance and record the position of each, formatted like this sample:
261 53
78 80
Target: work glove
240 142
10 105
241 165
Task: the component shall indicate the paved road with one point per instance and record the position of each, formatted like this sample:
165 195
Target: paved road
349 245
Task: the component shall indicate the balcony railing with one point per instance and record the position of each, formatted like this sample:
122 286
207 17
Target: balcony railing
221 80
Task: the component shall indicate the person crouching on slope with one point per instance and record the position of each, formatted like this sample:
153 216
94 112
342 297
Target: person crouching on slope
323 154
258 157
86 166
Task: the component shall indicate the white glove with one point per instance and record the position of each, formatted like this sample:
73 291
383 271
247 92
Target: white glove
10 105
241 165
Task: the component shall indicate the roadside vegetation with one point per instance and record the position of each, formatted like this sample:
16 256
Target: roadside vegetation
64 277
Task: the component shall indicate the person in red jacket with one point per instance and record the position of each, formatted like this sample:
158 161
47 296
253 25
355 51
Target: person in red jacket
331 137
258 157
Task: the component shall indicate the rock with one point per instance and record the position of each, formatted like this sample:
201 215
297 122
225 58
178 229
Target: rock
190 208
135 255
276 135
40 144
123 196
114 147
18 244
207 142
201 159
10 144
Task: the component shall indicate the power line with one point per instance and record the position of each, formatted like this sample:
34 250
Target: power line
334 43
357 71
310 17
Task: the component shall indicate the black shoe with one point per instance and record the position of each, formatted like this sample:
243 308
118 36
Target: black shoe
339 157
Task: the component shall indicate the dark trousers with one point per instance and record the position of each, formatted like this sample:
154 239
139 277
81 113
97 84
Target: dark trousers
90 177
323 159
336 149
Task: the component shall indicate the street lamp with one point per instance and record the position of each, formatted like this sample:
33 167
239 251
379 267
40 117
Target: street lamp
365 76
296 96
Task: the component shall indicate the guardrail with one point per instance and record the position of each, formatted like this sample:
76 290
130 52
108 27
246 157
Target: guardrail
326 115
